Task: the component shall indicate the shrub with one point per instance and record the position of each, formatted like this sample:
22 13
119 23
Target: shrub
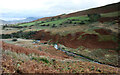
92 68
40 49
61 24
58 17
48 25
40 59
14 39
70 22
52 19
94 17
82 22
3 27
44 60
5 36
75 23
54 26
75 19
42 21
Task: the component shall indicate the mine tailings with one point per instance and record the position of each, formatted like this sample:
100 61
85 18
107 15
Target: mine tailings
74 40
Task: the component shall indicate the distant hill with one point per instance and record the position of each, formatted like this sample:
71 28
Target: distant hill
24 20
18 21
103 9
3 22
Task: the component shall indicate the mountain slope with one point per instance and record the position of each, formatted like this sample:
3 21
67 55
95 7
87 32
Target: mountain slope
18 21
3 22
104 9
21 21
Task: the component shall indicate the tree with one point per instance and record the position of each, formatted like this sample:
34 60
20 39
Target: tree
3 27
52 19
58 17
94 17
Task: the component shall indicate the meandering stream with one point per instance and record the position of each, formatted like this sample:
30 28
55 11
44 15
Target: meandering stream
89 59
74 54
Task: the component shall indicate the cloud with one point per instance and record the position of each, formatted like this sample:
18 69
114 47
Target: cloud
26 8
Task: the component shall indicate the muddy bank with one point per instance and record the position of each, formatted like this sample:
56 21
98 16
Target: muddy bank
76 40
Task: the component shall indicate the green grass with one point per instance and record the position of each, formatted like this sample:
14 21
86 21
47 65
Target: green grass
108 38
77 22
40 59
82 18
56 22
112 14
29 24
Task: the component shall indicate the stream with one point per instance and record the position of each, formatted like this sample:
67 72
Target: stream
89 59
81 56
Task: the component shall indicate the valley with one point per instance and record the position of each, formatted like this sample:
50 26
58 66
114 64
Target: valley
80 42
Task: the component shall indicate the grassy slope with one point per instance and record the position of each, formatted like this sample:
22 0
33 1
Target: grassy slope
110 10
57 22
112 14
80 18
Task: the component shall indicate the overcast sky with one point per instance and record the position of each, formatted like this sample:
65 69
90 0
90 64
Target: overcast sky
18 9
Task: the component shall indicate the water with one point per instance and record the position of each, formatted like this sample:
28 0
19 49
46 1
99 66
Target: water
83 57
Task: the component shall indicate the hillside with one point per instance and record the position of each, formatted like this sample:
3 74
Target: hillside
80 42
3 22
104 9
28 19
107 13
